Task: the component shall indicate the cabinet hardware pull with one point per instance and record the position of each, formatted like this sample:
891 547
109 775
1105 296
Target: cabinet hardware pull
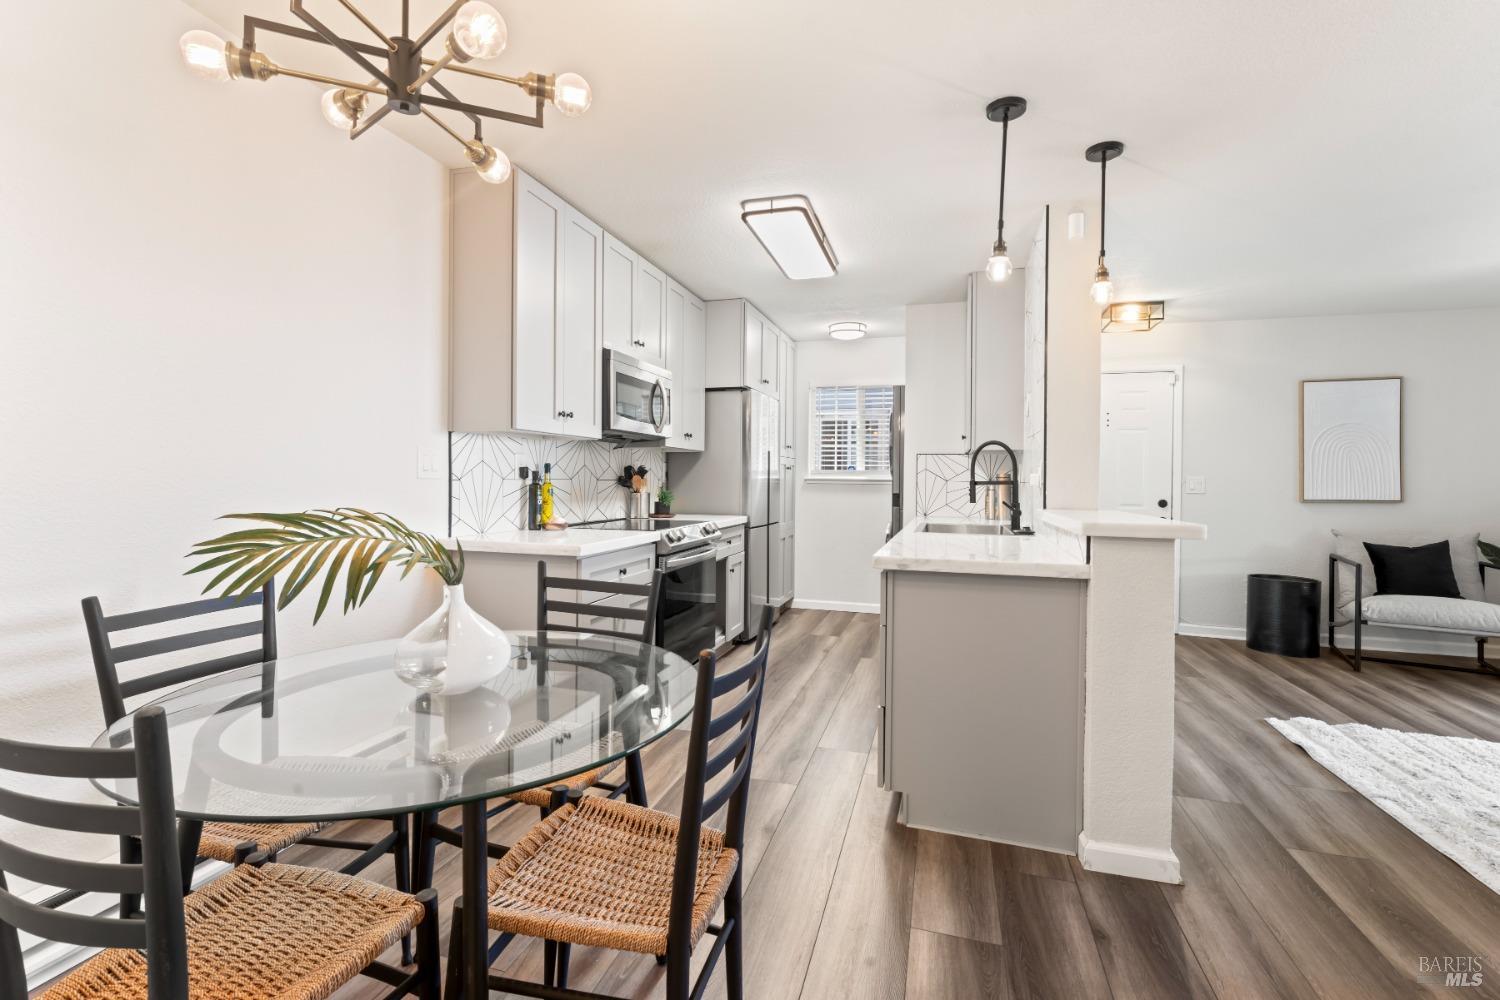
624 570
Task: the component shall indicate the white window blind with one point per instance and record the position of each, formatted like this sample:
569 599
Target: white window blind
851 430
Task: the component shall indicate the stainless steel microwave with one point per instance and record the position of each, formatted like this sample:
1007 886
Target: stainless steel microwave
637 399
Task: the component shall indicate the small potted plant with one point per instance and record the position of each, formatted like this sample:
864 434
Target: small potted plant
664 498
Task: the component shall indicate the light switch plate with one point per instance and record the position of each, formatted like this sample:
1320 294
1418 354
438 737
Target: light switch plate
432 462
1194 484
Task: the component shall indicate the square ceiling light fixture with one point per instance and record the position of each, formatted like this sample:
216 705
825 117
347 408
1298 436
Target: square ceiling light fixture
1132 317
789 228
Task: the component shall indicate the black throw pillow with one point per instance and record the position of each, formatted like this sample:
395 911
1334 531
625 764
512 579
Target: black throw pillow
1420 570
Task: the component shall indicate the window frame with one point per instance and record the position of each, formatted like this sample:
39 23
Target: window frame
814 450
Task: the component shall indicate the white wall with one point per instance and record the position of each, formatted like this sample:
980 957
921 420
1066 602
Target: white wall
840 525
1072 389
214 303
1240 395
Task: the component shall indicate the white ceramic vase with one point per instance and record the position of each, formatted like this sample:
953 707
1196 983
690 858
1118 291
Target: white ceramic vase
454 650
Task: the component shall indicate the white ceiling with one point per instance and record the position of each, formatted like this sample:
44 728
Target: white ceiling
1284 157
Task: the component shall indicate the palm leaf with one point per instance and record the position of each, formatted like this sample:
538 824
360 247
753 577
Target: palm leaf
349 542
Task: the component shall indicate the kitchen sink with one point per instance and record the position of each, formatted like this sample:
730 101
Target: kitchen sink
967 528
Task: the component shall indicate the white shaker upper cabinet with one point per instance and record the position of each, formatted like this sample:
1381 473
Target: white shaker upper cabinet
540 218
649 342
937 379
620 264
770 361
755 329
580 342
526 290
787 381
686 358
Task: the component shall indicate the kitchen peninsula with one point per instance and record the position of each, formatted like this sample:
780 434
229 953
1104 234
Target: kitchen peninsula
1028 683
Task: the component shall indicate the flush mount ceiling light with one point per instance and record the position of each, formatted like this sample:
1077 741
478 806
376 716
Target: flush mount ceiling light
1005 110
790 231
1101 153
402 78
846 331
1132 317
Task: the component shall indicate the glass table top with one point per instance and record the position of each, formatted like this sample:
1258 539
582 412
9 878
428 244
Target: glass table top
336 734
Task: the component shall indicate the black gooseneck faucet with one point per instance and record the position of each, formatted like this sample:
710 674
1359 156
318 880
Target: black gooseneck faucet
1014 506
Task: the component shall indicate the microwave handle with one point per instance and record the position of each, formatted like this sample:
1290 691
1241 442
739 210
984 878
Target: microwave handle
659 389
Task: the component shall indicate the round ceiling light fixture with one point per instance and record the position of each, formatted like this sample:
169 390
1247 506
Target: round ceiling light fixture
1004 110
847 331
1103 290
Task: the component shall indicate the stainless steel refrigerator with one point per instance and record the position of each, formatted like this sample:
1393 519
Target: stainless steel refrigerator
898 460
739 472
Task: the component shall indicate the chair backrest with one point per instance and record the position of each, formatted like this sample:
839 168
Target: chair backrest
108 656
158 876
729 735
547 604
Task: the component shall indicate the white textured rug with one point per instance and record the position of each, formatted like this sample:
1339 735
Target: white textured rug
1445 789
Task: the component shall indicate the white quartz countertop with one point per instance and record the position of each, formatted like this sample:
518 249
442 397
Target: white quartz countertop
1121 524
577 542
916 550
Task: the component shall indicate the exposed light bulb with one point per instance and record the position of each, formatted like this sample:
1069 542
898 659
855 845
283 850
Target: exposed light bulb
343 107
1103 289
205 54
479 32
999 266
489 163
571 94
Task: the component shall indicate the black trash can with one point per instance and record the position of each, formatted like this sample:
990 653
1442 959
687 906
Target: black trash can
1281 614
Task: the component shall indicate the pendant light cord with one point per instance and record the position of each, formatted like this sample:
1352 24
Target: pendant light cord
1103 169
1004 144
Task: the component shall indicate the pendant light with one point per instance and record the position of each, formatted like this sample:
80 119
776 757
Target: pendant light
1101 153
1004 110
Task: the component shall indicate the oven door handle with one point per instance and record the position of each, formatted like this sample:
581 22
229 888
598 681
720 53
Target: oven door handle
690 559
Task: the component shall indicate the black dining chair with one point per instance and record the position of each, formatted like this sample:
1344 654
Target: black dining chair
258 930
561 596
228 842
611 874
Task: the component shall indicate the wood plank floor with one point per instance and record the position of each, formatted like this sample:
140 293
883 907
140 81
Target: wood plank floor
1295 886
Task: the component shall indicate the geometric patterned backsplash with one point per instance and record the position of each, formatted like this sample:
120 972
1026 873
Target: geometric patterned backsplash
488 494
943 485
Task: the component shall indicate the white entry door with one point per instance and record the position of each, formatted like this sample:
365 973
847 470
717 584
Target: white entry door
1135 442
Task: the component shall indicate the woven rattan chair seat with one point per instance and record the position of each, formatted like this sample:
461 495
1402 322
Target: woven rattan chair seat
599 873
259 933
220 840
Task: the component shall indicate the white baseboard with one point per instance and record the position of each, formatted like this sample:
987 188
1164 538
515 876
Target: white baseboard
1129 860
1374 640
803 604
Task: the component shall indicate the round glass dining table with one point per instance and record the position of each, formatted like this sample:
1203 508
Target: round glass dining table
338 735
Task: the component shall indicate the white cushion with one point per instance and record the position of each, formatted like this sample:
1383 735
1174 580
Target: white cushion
1433 612
1463 548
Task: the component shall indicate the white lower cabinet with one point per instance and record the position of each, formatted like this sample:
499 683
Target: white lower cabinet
734 595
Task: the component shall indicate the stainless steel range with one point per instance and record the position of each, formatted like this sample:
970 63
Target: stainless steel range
687 612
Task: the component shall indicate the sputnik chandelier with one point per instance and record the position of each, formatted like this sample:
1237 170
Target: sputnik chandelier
403 79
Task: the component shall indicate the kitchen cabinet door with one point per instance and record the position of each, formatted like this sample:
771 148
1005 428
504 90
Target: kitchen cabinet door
937 408
734 597
789 397
770 361
755 334
649 342
999 352
619 296
687 358
539 227
580 344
